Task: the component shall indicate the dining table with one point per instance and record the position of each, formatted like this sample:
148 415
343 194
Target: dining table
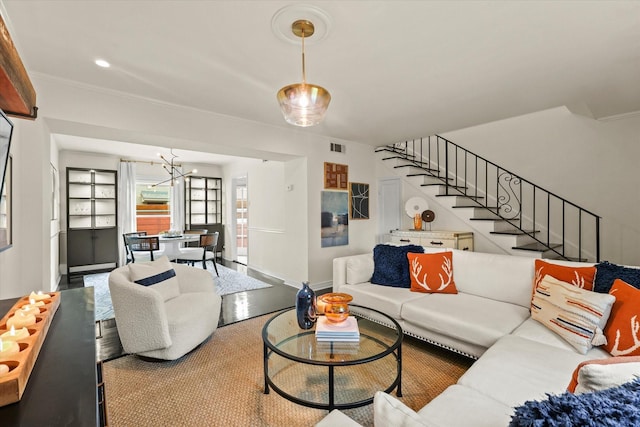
171 243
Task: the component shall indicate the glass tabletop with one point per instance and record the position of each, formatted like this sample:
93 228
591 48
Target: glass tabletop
283 335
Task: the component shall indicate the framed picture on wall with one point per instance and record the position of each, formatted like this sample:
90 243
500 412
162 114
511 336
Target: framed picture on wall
334 219
336 176
358 200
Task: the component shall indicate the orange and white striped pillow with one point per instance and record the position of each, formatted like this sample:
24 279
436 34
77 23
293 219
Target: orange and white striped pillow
432 273
576 315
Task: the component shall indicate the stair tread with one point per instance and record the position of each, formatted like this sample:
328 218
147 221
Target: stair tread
405 166
440 183
487 219
412 165
390 149
515 232
460 195
441 178
395 157
537 246
476 206
426 169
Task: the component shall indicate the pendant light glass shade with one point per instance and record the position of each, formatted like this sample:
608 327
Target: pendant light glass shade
303 104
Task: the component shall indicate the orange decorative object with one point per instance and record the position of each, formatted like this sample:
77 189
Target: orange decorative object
336 306
417 222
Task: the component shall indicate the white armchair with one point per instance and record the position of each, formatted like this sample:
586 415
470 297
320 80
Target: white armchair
167 319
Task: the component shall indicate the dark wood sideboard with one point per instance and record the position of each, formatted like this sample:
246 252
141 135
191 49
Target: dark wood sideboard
63 386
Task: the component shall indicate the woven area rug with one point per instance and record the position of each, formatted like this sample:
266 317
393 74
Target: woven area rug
229 282
221 384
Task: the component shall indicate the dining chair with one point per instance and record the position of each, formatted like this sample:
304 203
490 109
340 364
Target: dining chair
195 231
125 237
205 251
145 248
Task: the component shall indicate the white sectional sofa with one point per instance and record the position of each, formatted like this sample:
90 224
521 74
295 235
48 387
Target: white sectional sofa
519 359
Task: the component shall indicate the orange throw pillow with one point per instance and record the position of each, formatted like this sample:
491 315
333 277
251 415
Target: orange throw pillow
623 328
581 277
432 273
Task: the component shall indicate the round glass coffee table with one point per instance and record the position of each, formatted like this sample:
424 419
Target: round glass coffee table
333 374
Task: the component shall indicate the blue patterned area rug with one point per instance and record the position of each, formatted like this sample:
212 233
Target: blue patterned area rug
229 282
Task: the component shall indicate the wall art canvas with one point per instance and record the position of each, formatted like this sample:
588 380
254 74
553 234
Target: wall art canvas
334 218
336 176
359 200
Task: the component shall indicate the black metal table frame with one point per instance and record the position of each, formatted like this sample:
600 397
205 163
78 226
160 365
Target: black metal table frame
395 349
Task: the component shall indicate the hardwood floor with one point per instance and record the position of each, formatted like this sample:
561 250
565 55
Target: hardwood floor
235 308
245 305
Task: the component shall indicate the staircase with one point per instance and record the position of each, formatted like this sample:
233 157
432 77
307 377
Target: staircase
514 213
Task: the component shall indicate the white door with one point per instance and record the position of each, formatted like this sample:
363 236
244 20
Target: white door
389 207
240 223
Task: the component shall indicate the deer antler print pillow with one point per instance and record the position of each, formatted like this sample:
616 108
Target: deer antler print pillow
432 273
623 328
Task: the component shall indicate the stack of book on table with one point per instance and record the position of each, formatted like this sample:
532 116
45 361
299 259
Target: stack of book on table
345 331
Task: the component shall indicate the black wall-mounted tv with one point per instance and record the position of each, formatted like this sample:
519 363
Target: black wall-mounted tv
6 130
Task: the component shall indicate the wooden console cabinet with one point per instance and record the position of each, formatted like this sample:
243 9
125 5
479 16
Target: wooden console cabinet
462 240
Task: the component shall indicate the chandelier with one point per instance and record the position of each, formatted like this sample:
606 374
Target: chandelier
172 169
303 104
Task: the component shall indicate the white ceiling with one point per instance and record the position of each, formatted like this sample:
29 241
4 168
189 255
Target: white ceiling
395 69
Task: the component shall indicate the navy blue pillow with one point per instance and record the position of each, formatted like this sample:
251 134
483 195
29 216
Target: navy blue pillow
617 406
391 266
607 272
156 278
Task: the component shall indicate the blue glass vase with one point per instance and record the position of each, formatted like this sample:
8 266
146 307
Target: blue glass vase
306 306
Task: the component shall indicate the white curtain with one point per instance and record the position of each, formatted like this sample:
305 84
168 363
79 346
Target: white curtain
177 204
126 204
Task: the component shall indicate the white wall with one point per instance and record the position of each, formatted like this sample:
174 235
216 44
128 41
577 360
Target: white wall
361 160
588 162
297 219
267 222
278 217
26 266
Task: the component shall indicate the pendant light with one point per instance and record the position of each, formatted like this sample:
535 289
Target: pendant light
303 104
173 171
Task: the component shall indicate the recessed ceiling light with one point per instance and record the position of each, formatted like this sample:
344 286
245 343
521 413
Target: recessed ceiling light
102 63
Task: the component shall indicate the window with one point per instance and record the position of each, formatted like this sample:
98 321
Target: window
153 208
